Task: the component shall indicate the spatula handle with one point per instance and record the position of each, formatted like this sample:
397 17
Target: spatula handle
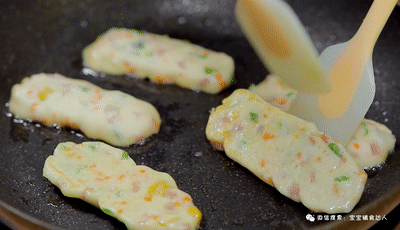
346 73
373 24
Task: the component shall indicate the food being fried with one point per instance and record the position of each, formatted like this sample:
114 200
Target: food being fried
112 116
161 59
286 152
109 179
369 145
273 90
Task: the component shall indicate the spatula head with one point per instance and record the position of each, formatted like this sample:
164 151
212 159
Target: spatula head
281 42
342 128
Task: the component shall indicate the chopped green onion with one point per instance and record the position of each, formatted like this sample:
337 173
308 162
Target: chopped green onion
93 148
139 45
252 86
107 211
335 149
118 194
81 167
84 89
365 128
289 94
200 55
242 143
118 135
210 71
125 155
342 178
137 53
253 116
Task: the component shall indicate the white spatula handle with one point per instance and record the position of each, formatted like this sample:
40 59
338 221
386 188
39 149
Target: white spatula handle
373 24
348 69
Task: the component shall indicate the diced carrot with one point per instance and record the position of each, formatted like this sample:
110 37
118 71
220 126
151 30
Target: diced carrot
336 188
177 204
270 182
160 79
121 177
129 67
120 211
220 79
102 179
281 101
268 136
356 145
34 107
263 163
148 198
325 138
299 155
96 100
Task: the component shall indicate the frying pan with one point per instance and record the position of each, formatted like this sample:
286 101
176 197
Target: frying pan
49 35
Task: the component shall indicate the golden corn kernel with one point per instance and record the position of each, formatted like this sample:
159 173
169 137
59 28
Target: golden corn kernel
44 93
159 188
195 212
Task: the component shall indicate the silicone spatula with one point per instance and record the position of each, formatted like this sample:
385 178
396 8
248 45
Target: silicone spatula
281 42
351 74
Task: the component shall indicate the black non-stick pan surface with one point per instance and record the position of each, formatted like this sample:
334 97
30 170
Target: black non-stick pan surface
48 36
